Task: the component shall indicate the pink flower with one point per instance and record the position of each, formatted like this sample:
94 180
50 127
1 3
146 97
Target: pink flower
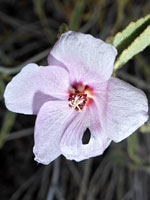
75 92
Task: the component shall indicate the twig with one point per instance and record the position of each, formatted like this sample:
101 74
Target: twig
96 177
10 20
25 49
15 22
128 195
138 82
101 181
23 187
35 58
55 177
19 134
44 182
32 189
75 173
98 172
111 186
84 182
91 22
65 178
59 194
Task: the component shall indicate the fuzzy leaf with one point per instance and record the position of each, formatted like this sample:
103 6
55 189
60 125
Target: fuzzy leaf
131 32
138 45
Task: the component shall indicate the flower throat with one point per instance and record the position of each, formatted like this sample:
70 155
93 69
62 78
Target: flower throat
79 96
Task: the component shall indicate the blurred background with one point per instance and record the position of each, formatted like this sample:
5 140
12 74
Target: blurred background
28 29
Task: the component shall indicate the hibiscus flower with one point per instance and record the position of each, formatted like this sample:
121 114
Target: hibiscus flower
75 92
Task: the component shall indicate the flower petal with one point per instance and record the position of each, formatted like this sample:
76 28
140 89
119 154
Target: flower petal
102 140
126 110
52 120
71 142
81 53
34 86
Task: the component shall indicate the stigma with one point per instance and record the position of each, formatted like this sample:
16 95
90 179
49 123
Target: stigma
80 96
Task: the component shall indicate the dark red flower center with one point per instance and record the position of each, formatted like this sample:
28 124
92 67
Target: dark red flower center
79 96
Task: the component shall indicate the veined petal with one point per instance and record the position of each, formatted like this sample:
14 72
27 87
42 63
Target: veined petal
52 120
71 142
102 141
34 86
82 53
126 110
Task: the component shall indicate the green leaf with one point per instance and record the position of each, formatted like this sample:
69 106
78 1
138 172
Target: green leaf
132 149
8 123
121 5
75 19
145 128
138 45
131 32
62 29
2 88
38 7
132 40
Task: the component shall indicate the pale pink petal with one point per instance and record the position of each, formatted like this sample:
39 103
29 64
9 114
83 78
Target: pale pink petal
82 53
103 141
34 86
126 109
71 143
52 120
100 98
